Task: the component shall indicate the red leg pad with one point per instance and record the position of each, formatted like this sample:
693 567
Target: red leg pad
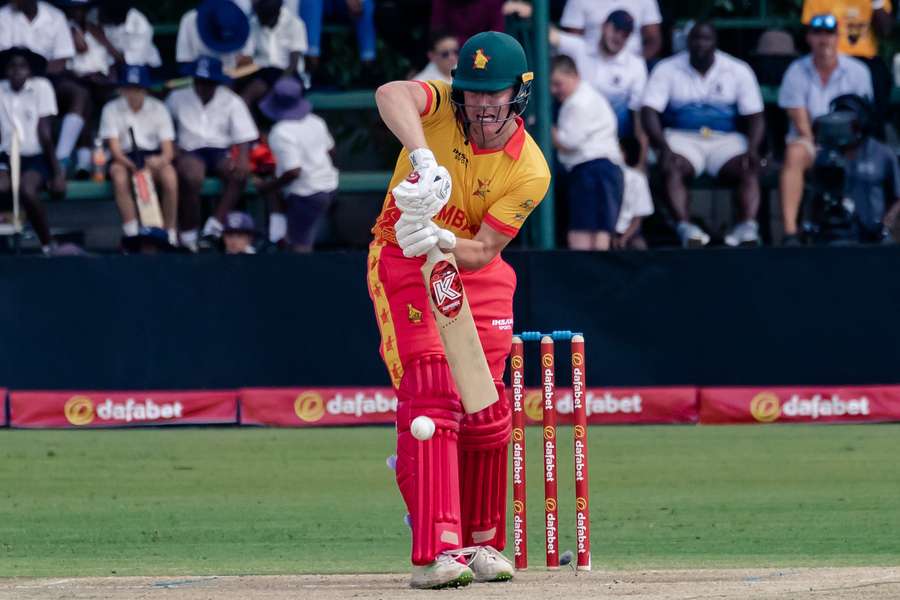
428 471
483 439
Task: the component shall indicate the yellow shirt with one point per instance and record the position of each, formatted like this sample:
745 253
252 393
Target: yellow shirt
854 23
497 187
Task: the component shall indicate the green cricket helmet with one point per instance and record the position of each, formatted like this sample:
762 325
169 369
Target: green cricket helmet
491 61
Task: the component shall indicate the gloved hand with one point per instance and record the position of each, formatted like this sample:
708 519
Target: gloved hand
412 200
416 237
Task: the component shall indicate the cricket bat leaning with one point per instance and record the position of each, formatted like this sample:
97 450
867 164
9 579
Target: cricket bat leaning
457 329
145 196
15 174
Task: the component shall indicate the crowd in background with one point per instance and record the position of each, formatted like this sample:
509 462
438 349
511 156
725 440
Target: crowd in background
87 94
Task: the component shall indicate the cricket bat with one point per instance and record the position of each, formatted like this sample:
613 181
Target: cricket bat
145 196
15 175
456 326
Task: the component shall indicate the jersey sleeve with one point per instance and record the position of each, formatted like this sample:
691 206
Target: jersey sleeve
437 104
750 100
508 214
656 92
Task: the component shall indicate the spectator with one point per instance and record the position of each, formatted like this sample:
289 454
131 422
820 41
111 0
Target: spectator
127 34
808 87
218 29
301 144
465 18
28 106
637 202
588 147
209 119
239 233
613 71
42 28
442 56
84 84
586 17
860 25
361 12
697 96
139 132
279 41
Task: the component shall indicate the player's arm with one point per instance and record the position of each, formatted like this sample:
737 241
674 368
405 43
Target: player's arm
400 104
480 250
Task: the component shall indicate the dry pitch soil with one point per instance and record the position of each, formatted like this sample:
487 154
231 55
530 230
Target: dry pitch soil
877 583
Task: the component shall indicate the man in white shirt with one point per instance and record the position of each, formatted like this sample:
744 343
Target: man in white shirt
27 105
210 119
610 68
216 28
698 96
442 56
807 89
127 34
139 132
42 28
587 145
302 146
586 17
279 41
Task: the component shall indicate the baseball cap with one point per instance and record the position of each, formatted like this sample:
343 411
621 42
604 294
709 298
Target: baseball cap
823 22
239 222
621 20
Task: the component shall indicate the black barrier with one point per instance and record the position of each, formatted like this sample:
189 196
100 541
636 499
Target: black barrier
713 317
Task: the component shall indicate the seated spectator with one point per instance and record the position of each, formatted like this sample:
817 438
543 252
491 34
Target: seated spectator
637 202
809 86
613 71
361 12
29 105
139 132
588 147
465 18
587 17
239 233
126 34
301 144
84 84
209 119
860 25
864 209
691 109
218 29
442 56
279 41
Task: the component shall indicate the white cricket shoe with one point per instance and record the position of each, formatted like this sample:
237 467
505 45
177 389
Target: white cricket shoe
444 572
487 563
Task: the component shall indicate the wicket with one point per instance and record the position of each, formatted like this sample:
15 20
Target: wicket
551 500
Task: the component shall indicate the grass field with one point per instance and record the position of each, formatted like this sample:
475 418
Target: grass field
259 501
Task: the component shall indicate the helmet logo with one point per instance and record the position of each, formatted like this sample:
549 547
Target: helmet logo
481 59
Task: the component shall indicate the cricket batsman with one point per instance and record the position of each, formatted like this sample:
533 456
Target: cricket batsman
467 178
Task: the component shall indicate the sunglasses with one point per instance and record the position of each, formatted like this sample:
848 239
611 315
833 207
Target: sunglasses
448 53
823 23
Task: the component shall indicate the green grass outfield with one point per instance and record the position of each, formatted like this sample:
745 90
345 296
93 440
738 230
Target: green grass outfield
259 501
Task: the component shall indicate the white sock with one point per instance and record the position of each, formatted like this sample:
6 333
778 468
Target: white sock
189 239
68 135
277 227
213 227
173 237
83 159
130 228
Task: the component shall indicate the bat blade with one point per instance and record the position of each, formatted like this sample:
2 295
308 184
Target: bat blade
147 201
459 336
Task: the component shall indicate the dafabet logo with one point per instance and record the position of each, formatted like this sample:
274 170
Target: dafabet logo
767 407
81 410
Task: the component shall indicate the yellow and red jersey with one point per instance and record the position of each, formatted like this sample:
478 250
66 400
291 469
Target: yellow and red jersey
498 188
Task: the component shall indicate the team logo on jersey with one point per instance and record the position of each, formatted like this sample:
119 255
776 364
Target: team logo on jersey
483 189
481 59
413 314
446 289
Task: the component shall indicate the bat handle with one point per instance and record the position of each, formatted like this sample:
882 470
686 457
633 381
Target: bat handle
435 255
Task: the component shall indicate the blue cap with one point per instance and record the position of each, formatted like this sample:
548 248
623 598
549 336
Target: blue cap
207 67
823 22
222 25
135 76
239 222
621 20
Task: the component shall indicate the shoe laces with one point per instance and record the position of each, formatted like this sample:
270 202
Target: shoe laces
470 553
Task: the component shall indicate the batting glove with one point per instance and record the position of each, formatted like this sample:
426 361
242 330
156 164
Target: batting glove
416 237
410 199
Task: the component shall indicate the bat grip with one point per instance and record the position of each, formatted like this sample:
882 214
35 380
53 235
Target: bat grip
435 255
